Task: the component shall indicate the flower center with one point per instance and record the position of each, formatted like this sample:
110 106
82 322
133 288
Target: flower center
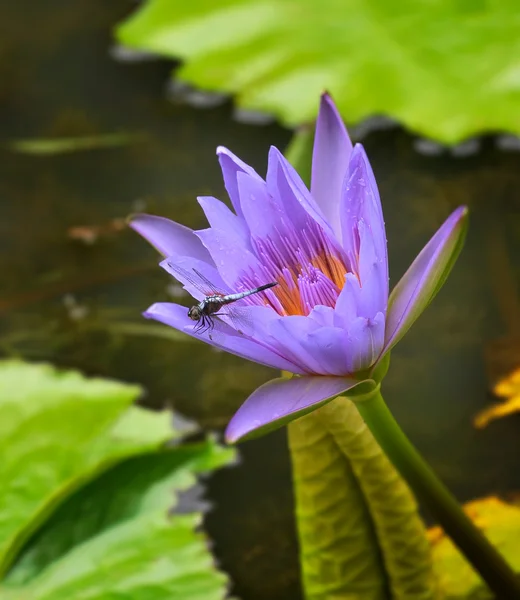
308 269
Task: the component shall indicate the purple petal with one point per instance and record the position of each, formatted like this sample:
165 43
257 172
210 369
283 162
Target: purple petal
360 202
365 342
346 307
282 400
330 344
330 159
231 257
227 339
285 185
371 295
289 334
169 237
191 281
220 217
262 214
231 165
324 316
425 277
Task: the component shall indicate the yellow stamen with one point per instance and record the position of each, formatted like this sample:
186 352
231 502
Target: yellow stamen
332 267
289 295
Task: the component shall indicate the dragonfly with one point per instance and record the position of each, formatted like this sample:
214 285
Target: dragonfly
204 313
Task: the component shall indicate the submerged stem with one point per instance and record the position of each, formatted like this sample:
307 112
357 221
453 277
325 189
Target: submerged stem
470 540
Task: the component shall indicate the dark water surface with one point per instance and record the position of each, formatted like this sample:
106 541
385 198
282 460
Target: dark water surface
74 281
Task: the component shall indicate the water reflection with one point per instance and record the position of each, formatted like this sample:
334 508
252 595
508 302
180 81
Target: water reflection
73 284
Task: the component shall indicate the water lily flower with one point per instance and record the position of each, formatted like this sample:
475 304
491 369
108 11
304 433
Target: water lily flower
330 320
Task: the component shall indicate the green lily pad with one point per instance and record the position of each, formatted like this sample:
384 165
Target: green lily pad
57 431
88 489
118 537
444 69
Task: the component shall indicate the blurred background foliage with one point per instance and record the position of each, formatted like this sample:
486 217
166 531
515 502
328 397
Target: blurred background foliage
444 69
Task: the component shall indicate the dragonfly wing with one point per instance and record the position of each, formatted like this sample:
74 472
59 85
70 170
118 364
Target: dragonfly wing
187 278
195 280
238 317
208 284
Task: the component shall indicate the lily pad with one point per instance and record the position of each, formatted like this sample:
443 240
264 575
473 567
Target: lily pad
88 490
445 70
57 431
118 537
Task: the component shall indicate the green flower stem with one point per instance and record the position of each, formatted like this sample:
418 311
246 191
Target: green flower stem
473 544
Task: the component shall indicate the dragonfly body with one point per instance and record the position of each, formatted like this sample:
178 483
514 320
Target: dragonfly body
207 312
203 312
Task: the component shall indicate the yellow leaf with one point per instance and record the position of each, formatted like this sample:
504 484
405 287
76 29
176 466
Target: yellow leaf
500 522
508 388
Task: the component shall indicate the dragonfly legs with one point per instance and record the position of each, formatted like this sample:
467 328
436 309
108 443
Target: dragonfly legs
207 323
204 324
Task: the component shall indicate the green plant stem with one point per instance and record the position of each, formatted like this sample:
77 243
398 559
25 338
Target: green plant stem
472 543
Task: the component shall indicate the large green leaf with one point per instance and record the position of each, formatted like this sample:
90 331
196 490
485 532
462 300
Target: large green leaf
117 538
445 69
57 431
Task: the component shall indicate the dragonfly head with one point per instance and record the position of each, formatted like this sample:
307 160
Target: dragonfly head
195 313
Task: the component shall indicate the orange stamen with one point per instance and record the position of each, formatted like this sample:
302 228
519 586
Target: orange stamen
332 267
289 295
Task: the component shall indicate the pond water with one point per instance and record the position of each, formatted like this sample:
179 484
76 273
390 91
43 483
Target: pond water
74 279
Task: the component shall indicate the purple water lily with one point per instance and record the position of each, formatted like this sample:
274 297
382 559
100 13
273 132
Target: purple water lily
330 320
